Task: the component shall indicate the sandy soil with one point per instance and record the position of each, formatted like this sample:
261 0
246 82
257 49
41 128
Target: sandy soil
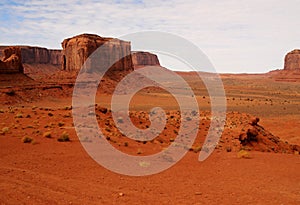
46 171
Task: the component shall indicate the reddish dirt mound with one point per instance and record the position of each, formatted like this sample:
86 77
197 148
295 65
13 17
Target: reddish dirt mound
255 137
242 132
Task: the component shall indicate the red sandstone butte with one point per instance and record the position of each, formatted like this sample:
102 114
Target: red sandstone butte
292 60
77 49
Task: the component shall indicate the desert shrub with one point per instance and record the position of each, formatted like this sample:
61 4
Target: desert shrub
36 132
47 135
50 125
228 149
188 118
5 130
103 110
243 154
27 139
67 115
139 151
197 149
60 124
64 137
68 108
10 93
19 115
120 120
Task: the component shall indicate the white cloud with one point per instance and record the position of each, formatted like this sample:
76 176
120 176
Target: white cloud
237 35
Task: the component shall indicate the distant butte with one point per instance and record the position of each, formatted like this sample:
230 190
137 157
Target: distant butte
75 51
291 70
292 60
141 59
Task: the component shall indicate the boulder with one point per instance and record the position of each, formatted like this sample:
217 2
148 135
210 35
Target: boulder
292 60
254 121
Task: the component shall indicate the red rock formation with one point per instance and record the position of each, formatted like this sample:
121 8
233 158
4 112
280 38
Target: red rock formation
291 71
292 60
141 59
255 137
77 49
37 55
12 61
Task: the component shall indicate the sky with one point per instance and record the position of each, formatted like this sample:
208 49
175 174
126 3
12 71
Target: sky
238 36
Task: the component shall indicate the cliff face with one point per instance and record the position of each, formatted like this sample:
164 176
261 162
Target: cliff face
77 49
140 59
75 53
12 60
292 60
37 55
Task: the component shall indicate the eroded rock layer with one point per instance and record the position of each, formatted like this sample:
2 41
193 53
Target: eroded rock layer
11 61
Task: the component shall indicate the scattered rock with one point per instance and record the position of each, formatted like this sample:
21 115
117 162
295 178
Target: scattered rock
243 154
27 139
103 110
254 121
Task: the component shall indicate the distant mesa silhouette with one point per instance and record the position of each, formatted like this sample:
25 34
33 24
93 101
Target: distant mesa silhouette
77 49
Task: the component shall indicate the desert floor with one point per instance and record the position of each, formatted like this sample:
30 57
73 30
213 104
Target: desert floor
47 171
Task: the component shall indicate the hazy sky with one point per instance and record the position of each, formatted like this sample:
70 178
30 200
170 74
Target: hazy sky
237 35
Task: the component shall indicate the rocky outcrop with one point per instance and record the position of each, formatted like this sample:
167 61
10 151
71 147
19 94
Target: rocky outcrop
141 59
292 60
255 137
77 49
38 55
12 60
